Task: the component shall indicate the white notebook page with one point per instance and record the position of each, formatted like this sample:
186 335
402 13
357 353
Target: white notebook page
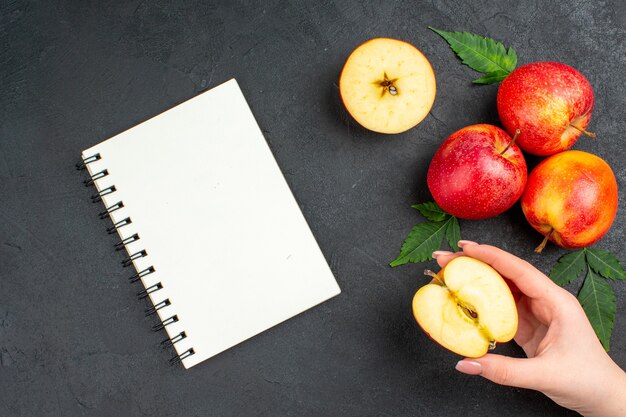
220 226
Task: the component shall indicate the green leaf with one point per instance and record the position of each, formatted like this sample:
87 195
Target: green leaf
568 267
422 241
598 300
492 77
453 233
481 54
431 211
604 263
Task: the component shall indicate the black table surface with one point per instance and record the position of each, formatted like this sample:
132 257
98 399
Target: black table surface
73 338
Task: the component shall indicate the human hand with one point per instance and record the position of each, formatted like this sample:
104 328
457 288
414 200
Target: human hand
566 361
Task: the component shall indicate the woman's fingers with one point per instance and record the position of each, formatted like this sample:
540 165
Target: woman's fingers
443 257
521 274
526 277
514 372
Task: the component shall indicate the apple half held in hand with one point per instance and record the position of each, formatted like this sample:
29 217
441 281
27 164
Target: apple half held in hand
551 103
571 199
466 308
387 85
477 172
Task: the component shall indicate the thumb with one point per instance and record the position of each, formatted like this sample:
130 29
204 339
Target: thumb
503 370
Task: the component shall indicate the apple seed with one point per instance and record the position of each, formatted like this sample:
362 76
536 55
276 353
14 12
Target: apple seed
468 312
387 85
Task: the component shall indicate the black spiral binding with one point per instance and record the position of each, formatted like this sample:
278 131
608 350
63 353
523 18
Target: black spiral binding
129 261
169 342
111 209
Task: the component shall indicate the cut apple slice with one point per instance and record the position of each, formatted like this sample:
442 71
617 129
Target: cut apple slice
387 85
467 308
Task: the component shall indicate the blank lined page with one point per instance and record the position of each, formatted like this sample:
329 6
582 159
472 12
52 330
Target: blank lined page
228 243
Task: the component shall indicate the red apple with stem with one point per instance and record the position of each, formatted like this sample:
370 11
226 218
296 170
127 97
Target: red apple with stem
571 199
549 102
478 172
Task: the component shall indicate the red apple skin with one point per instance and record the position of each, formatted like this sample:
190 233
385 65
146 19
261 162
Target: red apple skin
574 195
470 179
543 100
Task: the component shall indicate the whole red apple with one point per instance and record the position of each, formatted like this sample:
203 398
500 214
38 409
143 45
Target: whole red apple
551 103
478 172
571 199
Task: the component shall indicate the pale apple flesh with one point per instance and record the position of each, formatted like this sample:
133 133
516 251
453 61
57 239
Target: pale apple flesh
467 308
387 85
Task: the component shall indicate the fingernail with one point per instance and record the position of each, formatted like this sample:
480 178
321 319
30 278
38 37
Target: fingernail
441 253
469 367
466 242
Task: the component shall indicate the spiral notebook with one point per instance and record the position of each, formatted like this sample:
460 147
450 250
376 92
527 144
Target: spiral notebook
209 224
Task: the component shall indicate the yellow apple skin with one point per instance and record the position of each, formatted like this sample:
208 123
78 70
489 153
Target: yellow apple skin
467 287
371 102
572 198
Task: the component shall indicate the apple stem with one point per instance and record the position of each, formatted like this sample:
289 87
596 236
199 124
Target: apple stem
590 134
543 243
434 275
511 142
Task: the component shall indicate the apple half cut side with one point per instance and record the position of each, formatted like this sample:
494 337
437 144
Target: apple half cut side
467 308
387 85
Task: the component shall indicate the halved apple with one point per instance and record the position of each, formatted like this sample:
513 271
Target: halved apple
387 85
466 308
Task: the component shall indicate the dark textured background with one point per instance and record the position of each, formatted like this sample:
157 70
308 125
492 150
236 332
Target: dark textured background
73 339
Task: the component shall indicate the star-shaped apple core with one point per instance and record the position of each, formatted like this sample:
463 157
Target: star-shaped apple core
387 85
